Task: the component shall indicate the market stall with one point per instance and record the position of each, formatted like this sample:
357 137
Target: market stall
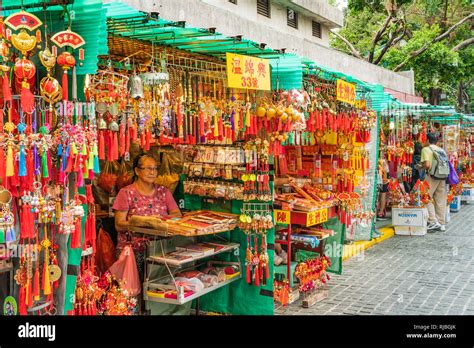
404 129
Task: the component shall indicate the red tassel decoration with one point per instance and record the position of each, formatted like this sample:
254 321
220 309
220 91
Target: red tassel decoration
22 301
101 146
27 100
80 178
27 222
65 86
256 276
122 140
142 139
115 149
148 140
76 236
248 275
7 93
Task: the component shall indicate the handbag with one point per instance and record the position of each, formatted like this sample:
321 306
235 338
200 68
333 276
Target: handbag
125 269
105 255
453 178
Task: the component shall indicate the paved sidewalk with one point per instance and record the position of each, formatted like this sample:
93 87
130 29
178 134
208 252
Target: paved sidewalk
426 275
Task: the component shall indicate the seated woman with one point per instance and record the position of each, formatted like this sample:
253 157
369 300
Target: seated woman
143 198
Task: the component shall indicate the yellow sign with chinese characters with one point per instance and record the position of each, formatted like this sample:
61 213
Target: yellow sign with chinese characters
282 217
317 217
248 72
346 92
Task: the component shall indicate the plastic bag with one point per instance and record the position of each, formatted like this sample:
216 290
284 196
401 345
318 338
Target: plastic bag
108 178
125 176
125 269
453 178
105 255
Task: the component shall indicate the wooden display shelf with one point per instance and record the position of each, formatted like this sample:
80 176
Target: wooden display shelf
171 262
163 233
150 285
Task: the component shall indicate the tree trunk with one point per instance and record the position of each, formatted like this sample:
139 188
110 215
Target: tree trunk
435 94
461 97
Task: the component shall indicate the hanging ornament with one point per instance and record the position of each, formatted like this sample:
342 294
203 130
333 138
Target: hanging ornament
23 20
50 89
66 61
25 69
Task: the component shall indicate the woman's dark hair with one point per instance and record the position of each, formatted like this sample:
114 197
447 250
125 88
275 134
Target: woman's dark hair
138 161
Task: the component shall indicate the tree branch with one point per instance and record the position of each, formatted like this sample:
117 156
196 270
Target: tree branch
463 44
392 42
377 37
436 39
351 47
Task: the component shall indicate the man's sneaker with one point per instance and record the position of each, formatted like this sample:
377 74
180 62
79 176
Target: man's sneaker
442 228
434 226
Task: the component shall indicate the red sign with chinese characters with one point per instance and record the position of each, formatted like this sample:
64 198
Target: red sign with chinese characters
68 38
248 72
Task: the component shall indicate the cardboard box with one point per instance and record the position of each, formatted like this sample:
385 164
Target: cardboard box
410 231
410 217
455 205
410 221
468 195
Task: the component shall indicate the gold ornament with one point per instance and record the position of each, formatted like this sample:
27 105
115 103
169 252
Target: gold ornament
23 41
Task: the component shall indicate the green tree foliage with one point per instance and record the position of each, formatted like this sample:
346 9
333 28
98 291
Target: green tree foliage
432 37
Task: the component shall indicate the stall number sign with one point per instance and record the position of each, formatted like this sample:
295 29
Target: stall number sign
317 217
248 72
282 217
346 92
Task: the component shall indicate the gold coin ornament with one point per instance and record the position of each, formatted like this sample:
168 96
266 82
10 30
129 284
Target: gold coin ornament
54 273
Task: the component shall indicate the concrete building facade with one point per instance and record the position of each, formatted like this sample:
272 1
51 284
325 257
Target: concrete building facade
276 28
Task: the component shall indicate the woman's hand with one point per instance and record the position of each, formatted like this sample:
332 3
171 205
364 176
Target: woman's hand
175 213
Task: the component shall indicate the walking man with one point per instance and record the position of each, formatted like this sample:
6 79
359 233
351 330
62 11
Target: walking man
435 161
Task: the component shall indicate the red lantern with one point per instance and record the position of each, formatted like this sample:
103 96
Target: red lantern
25 70
66 61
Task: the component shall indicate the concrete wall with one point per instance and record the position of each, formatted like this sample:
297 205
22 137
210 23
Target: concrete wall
323 9
252 26
247 9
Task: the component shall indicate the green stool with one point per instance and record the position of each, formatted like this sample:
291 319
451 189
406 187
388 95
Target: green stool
282 269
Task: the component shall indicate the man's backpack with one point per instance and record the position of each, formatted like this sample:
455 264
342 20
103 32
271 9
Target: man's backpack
440 164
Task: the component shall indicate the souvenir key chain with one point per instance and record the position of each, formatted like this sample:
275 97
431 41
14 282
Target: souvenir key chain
7 220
